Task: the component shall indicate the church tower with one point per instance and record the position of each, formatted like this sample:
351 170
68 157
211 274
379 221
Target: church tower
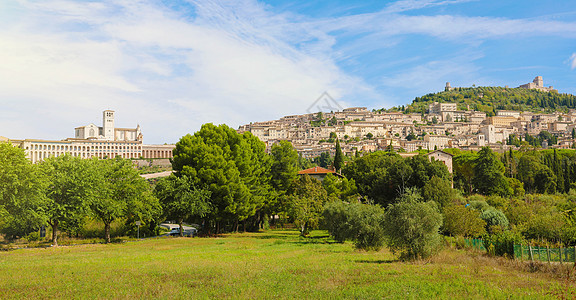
108 125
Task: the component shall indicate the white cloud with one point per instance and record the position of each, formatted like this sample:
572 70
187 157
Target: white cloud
63 61
407 5
165 70
573 60
459 28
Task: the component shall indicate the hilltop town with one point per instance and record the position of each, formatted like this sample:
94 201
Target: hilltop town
443 125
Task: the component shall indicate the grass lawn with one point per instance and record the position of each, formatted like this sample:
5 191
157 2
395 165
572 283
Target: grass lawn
270 265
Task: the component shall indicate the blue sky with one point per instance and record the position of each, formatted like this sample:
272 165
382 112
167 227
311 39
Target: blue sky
171 66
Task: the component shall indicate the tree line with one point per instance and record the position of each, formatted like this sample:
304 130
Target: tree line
226 181
490 99
64 191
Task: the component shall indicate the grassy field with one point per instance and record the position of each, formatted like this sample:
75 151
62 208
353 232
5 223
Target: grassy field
268 265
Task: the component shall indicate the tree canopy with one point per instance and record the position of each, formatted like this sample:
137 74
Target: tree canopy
233 167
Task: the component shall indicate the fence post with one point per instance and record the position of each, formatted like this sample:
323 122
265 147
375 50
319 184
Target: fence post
521 252
539 254
548 253
560 254
574 256
531 254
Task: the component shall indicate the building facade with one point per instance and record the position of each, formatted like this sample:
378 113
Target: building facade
90 141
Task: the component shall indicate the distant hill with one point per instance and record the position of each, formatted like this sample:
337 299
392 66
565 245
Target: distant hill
491 99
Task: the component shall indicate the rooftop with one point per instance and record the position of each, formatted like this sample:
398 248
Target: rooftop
318 171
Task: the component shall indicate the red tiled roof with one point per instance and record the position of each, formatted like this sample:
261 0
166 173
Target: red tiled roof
318 171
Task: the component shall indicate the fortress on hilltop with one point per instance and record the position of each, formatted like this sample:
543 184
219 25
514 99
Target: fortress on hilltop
538 84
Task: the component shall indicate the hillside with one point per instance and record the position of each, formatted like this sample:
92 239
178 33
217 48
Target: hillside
490 99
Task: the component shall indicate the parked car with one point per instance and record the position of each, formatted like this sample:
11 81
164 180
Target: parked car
192 232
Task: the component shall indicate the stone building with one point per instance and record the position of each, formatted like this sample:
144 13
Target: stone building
93 141
538 84
442 156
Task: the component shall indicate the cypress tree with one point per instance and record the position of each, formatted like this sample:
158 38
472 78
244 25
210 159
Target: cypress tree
338 157
557 168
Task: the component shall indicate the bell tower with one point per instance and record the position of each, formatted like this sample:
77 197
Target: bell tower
108 125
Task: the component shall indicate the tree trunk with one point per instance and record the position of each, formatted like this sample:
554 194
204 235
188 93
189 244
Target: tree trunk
54 225
107 232
181 228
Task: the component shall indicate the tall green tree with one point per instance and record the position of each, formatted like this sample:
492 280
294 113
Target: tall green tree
255 174
536 176
284 168
181 200
119 187
340 188
489 176
372 176
72 183
439 190
22 197
324 160
338 157
307 199
558 172
228 164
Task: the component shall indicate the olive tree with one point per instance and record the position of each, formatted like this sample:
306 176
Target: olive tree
360 223
412 227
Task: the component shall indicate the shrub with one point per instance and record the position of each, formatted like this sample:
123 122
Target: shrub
497 202
494 217
463 221
502 243
361 223
545 226
411 229
460 242
479 205
33 236
367 226
335 219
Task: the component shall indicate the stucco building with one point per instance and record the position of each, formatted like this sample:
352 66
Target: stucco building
106 141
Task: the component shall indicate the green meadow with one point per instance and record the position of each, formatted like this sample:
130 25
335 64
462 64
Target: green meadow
267 265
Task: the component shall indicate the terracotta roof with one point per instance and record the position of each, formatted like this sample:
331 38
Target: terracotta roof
318 171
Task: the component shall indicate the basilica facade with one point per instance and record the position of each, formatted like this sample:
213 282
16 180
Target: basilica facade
90 141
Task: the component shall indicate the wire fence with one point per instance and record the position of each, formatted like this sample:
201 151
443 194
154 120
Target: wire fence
545 254
476 244
533 253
